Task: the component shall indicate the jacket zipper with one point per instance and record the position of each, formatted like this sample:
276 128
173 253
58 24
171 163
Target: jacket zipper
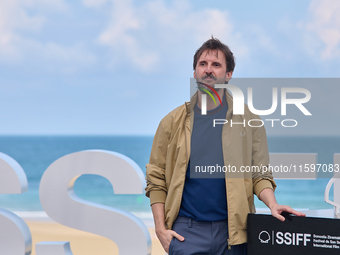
229 242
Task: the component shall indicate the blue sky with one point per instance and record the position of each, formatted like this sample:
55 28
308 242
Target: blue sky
117 67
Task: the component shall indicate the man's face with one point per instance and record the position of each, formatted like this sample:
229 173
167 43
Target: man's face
211 68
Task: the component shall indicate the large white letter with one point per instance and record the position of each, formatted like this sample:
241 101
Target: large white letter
262 112
298 101
15 236
238 98
53 248
62 204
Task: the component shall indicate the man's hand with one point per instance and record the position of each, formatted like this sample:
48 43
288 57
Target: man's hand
165 237
277 210
162 233
267 196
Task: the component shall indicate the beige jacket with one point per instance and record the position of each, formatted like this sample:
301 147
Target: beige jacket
242 146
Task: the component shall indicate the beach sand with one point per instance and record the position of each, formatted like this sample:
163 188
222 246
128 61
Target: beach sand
82 243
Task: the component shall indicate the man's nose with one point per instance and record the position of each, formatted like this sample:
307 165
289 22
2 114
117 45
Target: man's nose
208 69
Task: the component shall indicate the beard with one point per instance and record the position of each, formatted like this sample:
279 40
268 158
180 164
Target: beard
202 82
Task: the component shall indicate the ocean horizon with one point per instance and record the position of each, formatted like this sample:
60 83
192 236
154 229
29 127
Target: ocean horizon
36 152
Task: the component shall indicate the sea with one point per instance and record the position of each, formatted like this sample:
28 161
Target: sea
36 153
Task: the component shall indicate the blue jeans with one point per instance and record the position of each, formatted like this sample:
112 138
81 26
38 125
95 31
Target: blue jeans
203 238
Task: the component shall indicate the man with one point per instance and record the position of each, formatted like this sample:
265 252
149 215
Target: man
208 215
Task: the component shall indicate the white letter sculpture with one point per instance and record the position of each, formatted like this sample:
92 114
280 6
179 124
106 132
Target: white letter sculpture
60 202
15 236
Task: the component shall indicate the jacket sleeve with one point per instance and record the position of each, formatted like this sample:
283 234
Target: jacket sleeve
262 179
156 188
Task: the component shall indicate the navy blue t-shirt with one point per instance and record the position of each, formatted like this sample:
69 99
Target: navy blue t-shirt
204 199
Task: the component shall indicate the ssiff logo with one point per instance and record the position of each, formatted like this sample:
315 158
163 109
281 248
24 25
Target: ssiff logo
264 237
287 238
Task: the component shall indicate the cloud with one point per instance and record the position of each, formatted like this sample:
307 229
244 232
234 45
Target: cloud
94 3
322 28
262 40
126 18
17 27
13 17
65 59
145 34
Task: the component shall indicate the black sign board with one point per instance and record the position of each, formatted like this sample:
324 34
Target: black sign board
296 235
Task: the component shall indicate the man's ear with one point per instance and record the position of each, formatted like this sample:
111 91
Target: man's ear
195 74
228 75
